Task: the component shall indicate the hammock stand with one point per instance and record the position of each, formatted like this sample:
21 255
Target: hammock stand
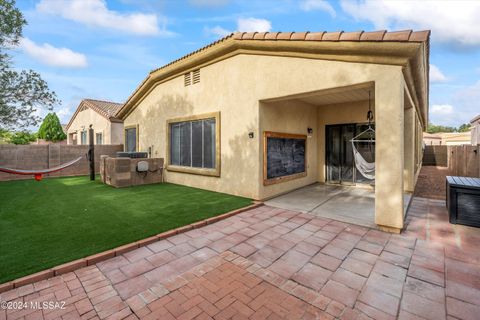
367 169
38 173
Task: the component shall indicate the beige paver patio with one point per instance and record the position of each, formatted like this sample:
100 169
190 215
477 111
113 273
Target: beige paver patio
270 263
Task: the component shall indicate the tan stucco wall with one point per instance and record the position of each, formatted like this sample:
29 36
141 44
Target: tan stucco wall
88 117
116 133
236 86
220 89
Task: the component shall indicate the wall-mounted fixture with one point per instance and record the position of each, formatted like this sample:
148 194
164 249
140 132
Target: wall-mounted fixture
309 132
251 135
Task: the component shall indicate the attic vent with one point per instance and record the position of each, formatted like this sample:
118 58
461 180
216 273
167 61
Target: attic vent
188 79
196 76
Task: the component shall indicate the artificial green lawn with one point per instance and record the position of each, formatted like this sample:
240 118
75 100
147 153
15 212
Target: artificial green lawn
47 223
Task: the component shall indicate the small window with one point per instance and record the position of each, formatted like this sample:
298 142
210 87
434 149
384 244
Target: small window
83 137
131 139
98 138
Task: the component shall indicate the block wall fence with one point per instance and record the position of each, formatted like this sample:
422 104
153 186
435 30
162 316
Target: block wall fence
30 157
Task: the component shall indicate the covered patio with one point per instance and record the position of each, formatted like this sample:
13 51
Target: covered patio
343 203
335 121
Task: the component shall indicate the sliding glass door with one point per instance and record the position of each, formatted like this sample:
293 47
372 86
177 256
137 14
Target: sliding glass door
339 154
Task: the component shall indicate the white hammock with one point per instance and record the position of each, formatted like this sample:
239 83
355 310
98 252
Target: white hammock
367 169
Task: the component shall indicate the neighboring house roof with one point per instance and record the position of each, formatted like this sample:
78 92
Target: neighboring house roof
409 49
456 136
432 135
475 119
106 109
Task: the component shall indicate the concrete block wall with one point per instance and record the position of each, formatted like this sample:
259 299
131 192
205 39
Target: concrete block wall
31 157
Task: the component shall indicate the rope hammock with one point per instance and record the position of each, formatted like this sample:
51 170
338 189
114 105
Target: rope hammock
367 169
38 173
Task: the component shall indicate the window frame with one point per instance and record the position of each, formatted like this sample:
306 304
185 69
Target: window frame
82 133
97 134
135 126
271 134
214 172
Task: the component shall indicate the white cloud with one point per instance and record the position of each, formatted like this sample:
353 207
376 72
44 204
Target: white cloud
64 114
436 75
95 13
208 3
253 24
50 55
322 5
217 31
441 109
451 22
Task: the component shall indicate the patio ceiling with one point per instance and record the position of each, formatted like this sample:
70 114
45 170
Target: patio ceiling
332 96
351 95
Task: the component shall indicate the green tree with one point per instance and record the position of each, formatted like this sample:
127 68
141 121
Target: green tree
18 137
51 129
4 136
21 92
464 127
22 137
432 128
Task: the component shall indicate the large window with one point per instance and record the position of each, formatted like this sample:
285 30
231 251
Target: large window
131 139
193 144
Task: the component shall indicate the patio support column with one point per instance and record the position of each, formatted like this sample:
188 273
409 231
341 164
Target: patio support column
389 152
409 135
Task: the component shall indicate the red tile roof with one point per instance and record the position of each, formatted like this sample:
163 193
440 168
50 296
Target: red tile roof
338 36
107 109
381 35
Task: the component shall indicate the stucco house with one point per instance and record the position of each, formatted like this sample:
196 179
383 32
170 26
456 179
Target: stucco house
475 131
447 138
432 139
260 114
108 129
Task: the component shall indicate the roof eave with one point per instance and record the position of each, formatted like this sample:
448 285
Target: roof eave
379 52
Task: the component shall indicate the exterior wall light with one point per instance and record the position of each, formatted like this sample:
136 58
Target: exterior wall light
251 135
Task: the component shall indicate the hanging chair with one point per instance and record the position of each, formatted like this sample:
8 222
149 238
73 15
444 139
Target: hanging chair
367 169
38 173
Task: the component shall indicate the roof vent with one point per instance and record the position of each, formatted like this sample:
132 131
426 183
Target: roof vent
188 79
196 76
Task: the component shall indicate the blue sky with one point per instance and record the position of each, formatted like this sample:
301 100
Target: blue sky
104 49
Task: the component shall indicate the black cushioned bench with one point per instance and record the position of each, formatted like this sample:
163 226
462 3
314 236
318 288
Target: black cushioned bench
463 200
